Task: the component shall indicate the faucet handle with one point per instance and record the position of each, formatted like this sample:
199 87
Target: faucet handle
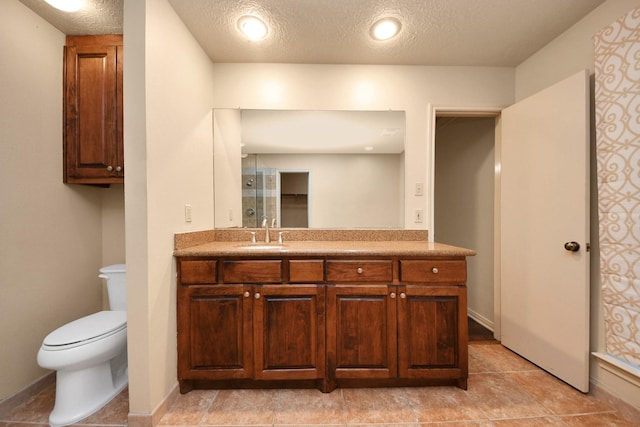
253 237
280 239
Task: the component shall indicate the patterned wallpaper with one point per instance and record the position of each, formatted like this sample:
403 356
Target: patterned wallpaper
617 98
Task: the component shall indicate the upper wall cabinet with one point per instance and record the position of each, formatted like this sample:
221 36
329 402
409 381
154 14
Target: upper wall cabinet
93 117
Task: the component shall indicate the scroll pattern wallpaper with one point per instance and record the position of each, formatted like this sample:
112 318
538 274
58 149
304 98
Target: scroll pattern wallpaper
617 100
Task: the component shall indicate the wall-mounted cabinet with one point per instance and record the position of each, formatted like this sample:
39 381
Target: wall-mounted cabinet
93 110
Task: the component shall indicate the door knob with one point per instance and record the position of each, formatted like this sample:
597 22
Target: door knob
572 246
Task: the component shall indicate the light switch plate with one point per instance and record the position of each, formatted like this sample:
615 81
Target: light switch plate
417 216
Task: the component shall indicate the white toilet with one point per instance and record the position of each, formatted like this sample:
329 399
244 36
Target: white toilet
89 355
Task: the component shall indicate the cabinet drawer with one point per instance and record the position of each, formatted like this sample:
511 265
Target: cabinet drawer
306 271
263 271
198 272
422 271
360 271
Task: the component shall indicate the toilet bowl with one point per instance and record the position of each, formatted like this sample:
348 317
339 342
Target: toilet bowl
89 356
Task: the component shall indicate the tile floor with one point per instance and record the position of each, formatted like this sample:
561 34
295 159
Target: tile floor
504 390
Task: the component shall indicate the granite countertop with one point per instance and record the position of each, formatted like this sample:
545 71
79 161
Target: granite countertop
236 242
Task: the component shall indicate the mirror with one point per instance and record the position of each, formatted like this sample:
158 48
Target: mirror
316 169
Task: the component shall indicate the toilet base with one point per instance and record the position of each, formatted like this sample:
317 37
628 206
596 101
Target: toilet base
80 393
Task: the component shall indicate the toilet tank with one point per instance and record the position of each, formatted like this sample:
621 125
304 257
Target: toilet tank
115 276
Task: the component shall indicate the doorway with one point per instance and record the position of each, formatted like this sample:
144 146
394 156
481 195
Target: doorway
293 210
464 198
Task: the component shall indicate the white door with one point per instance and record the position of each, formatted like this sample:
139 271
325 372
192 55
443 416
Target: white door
544 200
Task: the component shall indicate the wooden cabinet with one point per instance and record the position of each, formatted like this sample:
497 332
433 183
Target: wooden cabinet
362 332
374 322
432 333
289 332
247 331
93 110
215 337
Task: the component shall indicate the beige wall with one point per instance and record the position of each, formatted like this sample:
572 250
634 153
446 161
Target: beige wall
365 87
50 249
348 190
169 155
227 167
463 203
570 52
113 236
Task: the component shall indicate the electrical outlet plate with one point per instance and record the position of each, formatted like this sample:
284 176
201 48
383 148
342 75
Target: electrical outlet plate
419 190
187 213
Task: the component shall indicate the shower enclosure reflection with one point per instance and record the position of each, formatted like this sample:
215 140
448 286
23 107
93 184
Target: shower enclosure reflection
280 196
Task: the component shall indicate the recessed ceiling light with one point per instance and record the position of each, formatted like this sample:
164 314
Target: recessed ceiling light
66 5
385 28
252 27
368 148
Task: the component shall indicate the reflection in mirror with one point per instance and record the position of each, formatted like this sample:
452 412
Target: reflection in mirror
318 169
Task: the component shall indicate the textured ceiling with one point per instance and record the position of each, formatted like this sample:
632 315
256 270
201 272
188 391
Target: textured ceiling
96 17
434 32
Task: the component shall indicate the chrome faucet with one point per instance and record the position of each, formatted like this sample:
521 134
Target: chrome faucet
265 225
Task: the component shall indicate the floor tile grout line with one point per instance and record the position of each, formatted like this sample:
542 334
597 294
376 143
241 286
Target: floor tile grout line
206 412
343 404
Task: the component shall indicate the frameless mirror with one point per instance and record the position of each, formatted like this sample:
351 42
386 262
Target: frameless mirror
316 169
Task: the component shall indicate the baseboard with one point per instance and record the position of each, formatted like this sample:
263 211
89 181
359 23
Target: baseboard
480 319
622 370
153 419
27 393
626 410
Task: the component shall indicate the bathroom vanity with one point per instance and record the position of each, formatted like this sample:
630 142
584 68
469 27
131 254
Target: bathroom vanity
343 310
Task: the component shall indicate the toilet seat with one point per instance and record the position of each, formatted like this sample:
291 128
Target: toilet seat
85 330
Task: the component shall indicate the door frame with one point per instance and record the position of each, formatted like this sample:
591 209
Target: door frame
435 111
279 172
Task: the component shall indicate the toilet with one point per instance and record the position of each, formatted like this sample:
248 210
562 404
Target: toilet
89 355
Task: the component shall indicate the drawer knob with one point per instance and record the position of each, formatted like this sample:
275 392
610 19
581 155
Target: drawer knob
109 168
360 270
257 295
392 295
246 294
434 270
403 295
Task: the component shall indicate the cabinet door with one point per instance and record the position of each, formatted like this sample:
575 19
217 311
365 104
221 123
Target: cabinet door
361 331
289 331
93 112
432 332
214 332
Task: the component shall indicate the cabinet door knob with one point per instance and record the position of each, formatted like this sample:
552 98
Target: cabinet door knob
360 270
434 270
257 295
119 169
109 168
403 295
392 294
246 294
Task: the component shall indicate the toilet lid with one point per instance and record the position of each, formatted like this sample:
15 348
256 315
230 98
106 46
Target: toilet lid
87 328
